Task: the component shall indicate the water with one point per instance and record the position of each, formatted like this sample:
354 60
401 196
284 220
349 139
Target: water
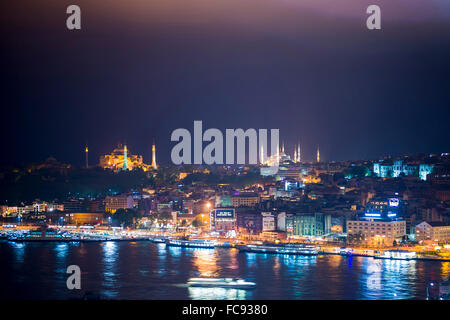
144 270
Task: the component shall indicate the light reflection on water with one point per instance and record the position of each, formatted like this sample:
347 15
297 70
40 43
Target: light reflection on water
110 277
19 250
197 293
143 270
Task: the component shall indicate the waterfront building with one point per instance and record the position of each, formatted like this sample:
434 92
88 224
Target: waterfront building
269 222
81 218
315 224
380 223
377 232
435 231
382 208
113 203
223 219
249 222
273 235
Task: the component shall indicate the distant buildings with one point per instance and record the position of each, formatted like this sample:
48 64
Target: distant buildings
378 233
113 203
380 224
399 168
245 200
434 231
223 219
315 224
80 218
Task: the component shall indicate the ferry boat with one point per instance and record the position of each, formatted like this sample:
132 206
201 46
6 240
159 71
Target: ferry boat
397 255
221 283
43 235
346 251
157 240
193 243
298 250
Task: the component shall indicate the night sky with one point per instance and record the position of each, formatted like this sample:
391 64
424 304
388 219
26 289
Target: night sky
138 69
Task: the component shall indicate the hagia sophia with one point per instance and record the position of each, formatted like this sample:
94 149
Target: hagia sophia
122 159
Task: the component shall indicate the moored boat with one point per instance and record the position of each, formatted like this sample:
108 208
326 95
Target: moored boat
397 255
298 250
43 235
194 243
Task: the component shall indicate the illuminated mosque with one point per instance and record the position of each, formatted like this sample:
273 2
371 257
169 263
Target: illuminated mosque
280 157
122 159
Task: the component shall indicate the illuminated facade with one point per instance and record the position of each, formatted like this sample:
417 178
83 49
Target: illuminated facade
400 168
435 231
113 203
83 218
223 219
382 209
379 233
380 223
245 200
317 224
121 159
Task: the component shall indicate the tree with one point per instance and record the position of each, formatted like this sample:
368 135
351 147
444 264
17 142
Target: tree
125 217
196 223
165 217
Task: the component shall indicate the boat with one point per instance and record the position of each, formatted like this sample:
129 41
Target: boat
194 243
397 255
43 235
221 283
298 250
157 240
346 251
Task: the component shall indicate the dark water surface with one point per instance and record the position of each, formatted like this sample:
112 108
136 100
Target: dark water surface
143 270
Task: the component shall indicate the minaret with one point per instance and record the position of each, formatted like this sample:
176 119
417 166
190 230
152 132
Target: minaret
295 154
125 159
299 158
282 150
318 154
154 156
261 155
87 152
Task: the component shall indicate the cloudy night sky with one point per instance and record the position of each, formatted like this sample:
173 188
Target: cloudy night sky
138 69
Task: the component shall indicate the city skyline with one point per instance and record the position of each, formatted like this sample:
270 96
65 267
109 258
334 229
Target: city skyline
203 150
318 77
